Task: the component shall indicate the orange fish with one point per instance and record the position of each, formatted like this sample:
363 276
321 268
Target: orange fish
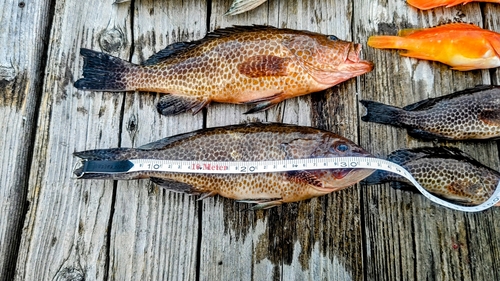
426 4
460 45
260 65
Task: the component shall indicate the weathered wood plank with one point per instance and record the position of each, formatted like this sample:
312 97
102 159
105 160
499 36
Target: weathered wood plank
295 241
21 65
407 237
153 229
65 232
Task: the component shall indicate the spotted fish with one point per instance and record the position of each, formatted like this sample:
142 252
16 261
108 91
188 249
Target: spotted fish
237 7
258 65
469 114
446 172
249 142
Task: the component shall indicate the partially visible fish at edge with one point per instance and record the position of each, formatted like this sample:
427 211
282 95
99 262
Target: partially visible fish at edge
249 142
237 7
446 172
431 4
462 46
471 114
258 65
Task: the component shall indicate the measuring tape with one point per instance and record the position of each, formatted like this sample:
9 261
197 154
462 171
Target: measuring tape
229 167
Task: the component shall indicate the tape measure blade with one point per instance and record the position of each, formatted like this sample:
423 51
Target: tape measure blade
107 167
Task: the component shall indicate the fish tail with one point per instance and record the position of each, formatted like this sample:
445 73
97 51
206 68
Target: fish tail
382 113
112 154
103 72
387 42
377 177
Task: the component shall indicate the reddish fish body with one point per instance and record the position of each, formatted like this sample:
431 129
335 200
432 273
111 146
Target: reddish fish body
258 64
430 4
250 142
462 46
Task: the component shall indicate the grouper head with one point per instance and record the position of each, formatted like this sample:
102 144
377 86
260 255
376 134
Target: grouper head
328 59
329 180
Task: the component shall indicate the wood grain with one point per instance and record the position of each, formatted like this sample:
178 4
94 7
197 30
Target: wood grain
21 27
129 230
406 235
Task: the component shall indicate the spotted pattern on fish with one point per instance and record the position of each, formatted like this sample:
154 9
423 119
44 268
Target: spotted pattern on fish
470 114
251 142
444 171
256 64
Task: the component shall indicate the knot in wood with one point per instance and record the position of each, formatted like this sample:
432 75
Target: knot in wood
112 40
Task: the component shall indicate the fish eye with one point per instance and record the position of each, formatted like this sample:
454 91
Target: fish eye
342 147
332 37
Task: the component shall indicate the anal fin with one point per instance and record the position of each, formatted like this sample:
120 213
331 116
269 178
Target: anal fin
174 104
175 186
262 204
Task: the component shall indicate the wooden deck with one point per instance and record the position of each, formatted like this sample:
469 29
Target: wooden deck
54 227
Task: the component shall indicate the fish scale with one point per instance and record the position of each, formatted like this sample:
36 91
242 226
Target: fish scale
261 65
249 142
443 171
469 114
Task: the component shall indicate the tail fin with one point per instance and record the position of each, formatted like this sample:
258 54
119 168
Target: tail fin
103 72
381 113
112 154
386 42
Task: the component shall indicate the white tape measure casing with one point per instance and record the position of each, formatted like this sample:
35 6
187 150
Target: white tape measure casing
229 167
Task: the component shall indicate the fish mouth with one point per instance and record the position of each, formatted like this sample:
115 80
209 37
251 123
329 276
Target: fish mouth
354 64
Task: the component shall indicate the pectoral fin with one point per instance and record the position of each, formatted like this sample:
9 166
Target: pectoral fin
490 117
261 204
305 177
174 104
263 66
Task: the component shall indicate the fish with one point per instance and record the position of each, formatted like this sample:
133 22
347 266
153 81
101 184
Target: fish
462 46
431 4
241 6
244 142
446 172
470 114
260 65
237 7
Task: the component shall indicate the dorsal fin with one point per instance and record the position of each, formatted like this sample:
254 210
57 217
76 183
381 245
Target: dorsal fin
174 49
160 144
170 51
425 104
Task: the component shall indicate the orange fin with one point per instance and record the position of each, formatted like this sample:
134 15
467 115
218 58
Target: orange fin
265 103
465 68
408 31
417 55
264 65
490 117
174 104
386 42
495 43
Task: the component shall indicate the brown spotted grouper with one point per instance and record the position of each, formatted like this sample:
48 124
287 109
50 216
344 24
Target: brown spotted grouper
444 171
260 65
250 142
469 114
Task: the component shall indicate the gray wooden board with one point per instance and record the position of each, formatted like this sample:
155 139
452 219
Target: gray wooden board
100 230
21 29
407 237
